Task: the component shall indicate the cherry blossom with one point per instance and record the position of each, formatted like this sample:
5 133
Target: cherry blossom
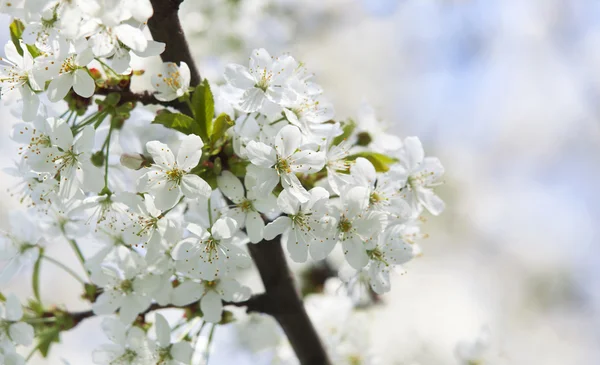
169 178
284 161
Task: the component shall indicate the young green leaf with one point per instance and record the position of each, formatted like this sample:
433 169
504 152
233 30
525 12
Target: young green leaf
380 161
220 126
203 108
347 128
179 122
46 338
16 34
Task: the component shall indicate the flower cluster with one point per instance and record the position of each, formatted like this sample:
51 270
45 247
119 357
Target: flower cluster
13 332
175 197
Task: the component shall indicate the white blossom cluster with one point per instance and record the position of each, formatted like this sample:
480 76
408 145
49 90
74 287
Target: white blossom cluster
260 157
13 332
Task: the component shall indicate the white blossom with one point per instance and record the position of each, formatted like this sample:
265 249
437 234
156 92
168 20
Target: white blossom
169 178
17 73
12 331
172 81
285 160
354 226
127 287
166 352
248 205
420 174
301 229
209 254
211 295
20 246
265 80
129 345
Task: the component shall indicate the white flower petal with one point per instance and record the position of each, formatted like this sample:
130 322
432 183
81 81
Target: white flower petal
161 153
355 200
21 333
115 330
288 139
414 152
231 186
182 352
185 249
83 83
238 76
163 331
193 186
166 195
288 203
187 293
189 152
211 306
131 36
277 227
297 246
254 226
59 87
224 228
13 308
252 100
260 154
355 252
363 172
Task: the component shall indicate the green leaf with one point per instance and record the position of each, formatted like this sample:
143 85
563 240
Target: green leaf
35 278
46 338
2 298
220 126
16 34
35 306
179 122
380 161
203 108
237 166
347 129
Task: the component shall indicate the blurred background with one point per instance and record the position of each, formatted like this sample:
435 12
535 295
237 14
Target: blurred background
506 94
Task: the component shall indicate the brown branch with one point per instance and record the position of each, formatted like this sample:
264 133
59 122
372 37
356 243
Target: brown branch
256 303
144 97
284 302
165 27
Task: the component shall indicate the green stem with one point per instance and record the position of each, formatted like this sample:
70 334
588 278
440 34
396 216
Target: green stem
40 320
78 252
278 120
33 351
189 104
95 118
106 67
107 143
64 267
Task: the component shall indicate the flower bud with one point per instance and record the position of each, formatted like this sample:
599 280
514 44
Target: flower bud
364 139
98 159
134 161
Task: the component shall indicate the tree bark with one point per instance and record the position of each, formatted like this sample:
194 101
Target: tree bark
285 304
165 27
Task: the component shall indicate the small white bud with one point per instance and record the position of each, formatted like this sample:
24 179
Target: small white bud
134 161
